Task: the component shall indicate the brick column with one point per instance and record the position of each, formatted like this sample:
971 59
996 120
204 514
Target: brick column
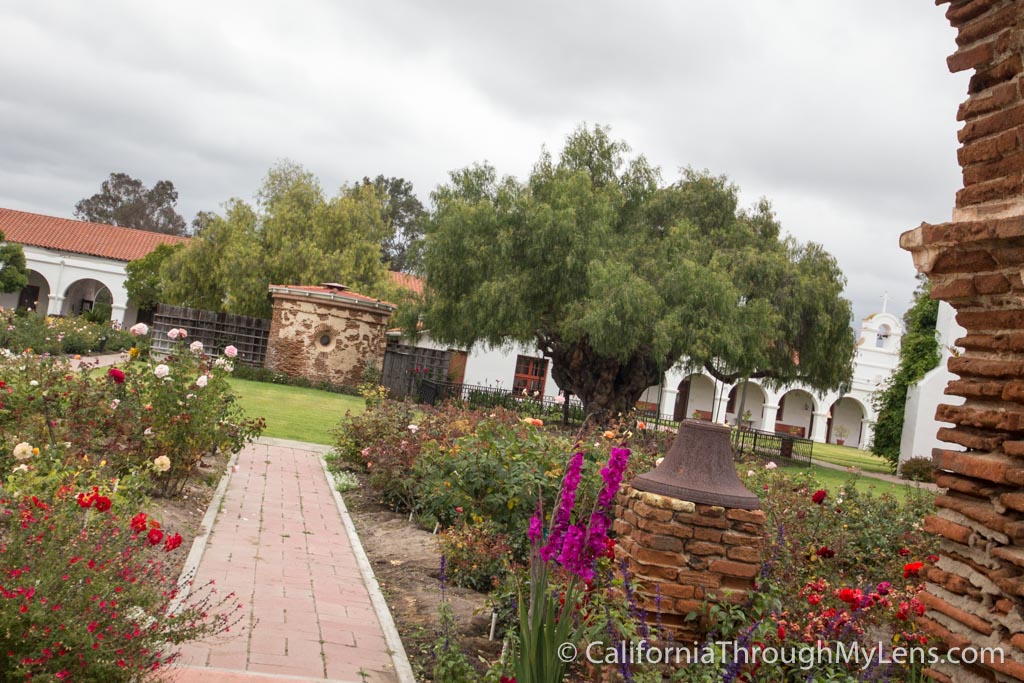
975 592
685 552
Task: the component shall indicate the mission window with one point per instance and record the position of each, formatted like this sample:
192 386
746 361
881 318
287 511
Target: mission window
530 376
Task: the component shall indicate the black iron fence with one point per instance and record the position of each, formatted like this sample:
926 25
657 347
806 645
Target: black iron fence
772 446
745 442
482 398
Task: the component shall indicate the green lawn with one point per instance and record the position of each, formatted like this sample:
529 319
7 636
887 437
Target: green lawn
850 457
833 479
295 412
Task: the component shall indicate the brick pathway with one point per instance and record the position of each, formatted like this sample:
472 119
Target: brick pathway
279 542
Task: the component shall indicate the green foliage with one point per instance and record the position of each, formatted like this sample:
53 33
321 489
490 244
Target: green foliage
273 377
616 278
917 469
494 472
843 570
404 215
13 273
125 201
872 535
143 283
450 663
87 591
919 353
146 422
57 336
294 235
477 553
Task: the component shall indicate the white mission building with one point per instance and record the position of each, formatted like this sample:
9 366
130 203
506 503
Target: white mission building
795 409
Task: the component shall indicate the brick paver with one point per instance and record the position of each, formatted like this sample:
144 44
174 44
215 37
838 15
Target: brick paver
279 543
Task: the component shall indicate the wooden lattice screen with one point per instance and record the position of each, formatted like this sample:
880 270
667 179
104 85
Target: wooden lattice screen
214 330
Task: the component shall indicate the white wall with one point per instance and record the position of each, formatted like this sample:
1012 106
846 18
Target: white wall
919 424
60 271
848 412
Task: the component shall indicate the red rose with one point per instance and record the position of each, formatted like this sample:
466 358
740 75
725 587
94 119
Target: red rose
911 569
903 552
85 500
781 632
172 542
155 536
819 496
139 522
116 375
825 552
102 503
850 596
932 558
813 599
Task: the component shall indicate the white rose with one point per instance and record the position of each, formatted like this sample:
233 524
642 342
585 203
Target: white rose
201 382
162 463
161 370
23 451
172 333
139 329
196 347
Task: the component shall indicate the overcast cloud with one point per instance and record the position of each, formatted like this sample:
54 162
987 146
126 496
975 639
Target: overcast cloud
842 114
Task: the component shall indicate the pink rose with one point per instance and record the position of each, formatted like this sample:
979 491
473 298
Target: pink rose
230 351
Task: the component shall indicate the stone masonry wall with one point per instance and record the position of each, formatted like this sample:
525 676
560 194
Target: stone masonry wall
358 337
975 593
686 552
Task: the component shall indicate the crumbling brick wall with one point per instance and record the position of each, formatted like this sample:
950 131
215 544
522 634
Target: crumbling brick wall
325 340
975 593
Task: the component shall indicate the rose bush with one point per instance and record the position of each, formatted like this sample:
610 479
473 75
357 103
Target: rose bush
146 423
85 594
57 336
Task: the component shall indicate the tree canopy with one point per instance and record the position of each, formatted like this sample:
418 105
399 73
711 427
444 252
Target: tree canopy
13 271
616 277
919 353
143 283
125 201
404 215
293 235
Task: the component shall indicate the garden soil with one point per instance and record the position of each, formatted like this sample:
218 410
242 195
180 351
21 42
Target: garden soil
406 562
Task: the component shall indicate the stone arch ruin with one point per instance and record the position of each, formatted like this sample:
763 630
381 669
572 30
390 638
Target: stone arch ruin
975 593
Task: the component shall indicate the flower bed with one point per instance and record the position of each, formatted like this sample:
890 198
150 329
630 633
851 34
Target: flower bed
840 566
86 573
58 336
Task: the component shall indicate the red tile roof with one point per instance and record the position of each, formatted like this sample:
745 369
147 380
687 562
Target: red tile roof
79 237
332 291
412 283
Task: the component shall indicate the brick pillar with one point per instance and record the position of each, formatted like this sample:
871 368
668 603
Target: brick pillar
685 552
976 591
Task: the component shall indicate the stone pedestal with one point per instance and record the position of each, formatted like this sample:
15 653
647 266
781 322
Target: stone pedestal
680 553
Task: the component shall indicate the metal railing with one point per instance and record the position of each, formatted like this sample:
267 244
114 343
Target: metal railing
771 446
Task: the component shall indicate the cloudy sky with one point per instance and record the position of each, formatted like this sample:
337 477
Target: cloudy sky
841 113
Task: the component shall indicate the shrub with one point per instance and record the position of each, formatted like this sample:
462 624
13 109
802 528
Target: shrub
86 595
58 336
494 472
146 421
918 469
477 554
255 374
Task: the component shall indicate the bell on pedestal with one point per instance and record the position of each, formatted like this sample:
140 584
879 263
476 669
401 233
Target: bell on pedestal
699 468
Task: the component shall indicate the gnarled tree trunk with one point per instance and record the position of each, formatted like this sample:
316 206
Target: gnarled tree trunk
606 386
